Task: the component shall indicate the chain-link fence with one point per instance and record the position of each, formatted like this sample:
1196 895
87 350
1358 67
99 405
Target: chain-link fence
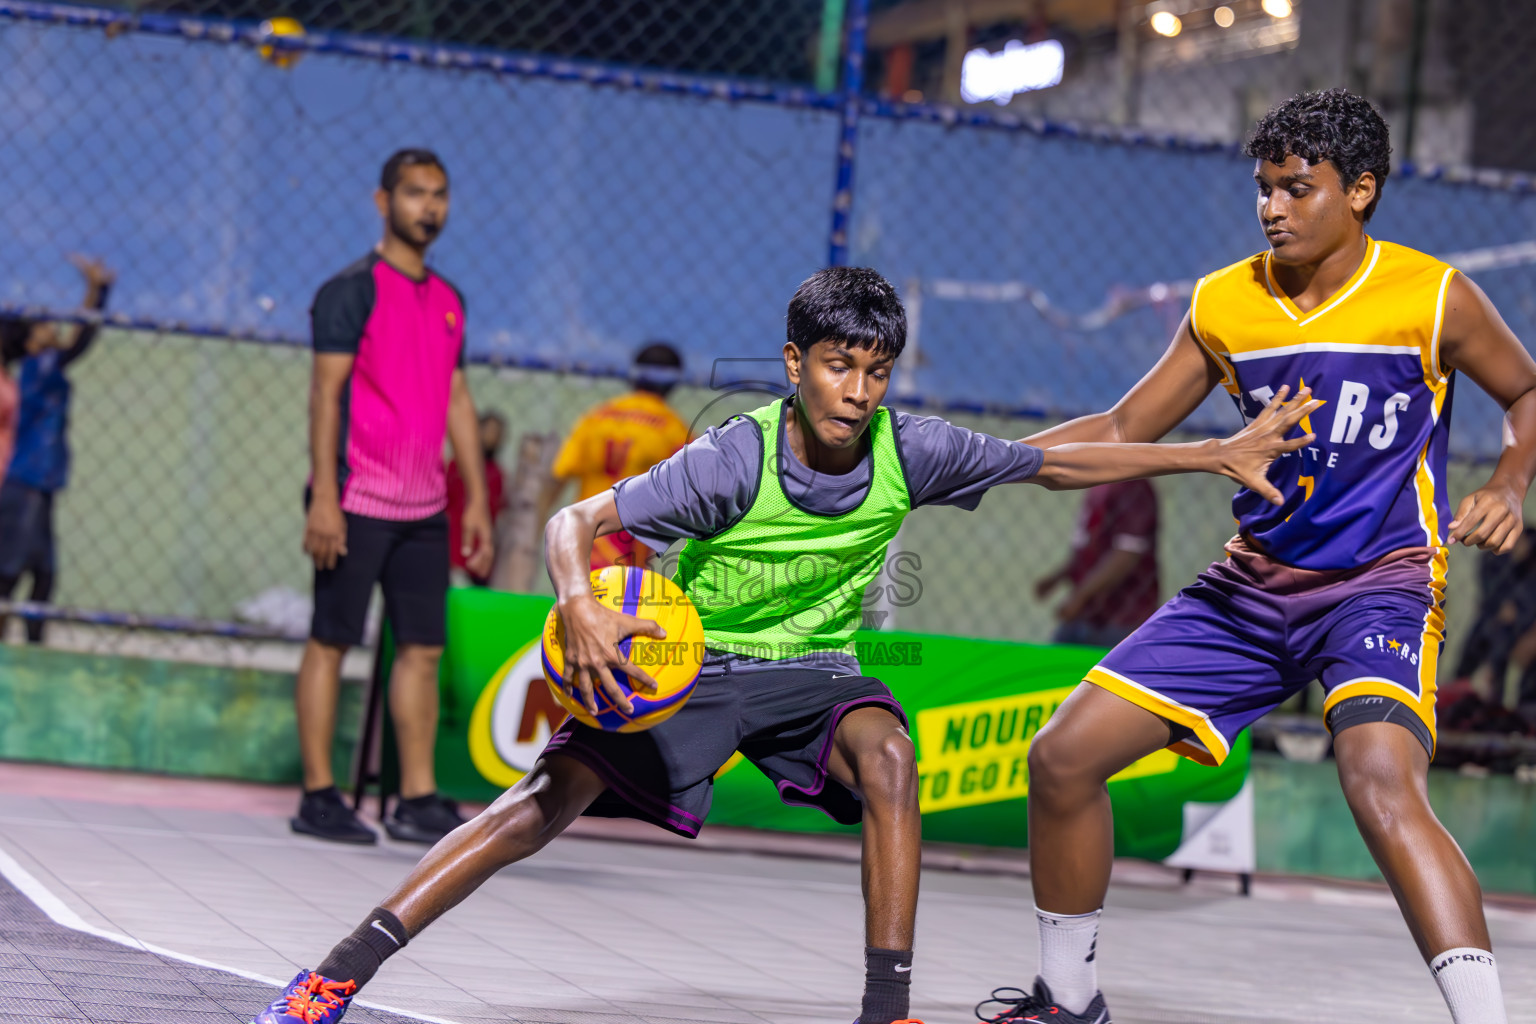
597 205
767 41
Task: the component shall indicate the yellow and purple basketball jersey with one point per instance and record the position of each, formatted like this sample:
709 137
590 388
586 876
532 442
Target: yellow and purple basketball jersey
1374 480
1344 583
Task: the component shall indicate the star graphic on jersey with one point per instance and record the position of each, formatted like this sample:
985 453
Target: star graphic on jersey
1306 421
1394 644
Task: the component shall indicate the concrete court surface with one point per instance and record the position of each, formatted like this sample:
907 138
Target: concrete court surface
601 928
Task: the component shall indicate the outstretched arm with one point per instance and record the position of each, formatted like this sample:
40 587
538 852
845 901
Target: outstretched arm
98 280
1476 341
1160 401
1244 457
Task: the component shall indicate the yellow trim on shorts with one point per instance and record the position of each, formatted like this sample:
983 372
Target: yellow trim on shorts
1375 686
1216 748
1431 637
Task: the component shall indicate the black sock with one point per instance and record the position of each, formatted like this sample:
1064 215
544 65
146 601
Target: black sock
887 985
357 957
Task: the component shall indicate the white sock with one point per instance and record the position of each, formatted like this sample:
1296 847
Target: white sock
1068 947
1469 981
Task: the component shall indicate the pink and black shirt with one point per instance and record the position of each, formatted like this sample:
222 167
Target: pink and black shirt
408 339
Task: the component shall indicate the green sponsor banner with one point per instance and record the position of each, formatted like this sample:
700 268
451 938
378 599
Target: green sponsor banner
974 707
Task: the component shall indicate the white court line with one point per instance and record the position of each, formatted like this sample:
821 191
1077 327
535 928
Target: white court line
29 886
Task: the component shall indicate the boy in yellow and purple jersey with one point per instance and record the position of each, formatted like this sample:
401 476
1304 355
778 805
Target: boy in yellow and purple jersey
1343 582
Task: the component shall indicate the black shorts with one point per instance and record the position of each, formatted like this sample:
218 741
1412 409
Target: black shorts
409 559
26 531
781 720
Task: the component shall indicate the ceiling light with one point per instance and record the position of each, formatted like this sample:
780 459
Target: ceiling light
1017 68
1166 23
1224 17
1277 8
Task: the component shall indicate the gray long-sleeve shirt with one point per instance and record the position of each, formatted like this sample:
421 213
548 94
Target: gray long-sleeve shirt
710 484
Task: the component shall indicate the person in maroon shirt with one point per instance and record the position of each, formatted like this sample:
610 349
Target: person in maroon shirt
493 429
1112 569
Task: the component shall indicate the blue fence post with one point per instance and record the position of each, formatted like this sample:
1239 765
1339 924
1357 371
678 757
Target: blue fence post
848 136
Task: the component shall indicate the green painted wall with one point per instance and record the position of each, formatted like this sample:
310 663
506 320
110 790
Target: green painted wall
1304 826
102 711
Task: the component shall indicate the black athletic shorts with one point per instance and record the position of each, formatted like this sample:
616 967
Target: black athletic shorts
781 720
409 559
26 531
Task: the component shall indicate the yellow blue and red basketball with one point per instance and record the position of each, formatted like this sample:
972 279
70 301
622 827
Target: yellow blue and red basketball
673 662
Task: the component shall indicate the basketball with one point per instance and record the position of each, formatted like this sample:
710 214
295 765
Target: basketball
674 662
280 27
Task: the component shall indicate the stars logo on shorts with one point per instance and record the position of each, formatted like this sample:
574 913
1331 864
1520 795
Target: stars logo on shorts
1391 647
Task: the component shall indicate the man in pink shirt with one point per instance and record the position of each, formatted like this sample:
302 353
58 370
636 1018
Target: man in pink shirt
388 385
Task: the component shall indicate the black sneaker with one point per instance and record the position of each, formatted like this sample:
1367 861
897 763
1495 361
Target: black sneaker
325 815
423 819
1020 1007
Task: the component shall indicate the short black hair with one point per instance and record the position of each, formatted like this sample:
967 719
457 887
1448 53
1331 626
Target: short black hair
658 367
1334 125
399 160
853 305
14 334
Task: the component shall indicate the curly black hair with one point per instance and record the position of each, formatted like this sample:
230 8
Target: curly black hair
1334 125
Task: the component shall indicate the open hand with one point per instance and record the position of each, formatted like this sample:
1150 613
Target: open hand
96 273
1246 455
593 634
1489 518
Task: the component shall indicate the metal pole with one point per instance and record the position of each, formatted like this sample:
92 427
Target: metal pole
848 137
365 767
831 43
1124 111
1415 63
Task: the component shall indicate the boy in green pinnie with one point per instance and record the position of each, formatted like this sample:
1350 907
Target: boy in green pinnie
786 513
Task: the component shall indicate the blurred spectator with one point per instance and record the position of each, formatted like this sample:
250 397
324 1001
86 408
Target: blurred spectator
39 455
1112 568
13 343
1503 633
493 429
619 438
1506 608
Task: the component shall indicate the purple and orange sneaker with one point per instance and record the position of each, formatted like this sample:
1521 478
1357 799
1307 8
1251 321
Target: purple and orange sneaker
309 999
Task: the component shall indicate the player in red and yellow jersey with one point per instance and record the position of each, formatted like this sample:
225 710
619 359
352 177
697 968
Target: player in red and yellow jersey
1343 582
620 438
